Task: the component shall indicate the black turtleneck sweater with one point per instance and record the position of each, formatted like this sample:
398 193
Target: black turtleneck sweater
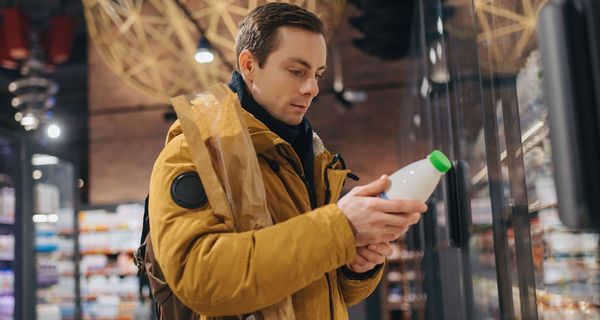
300 136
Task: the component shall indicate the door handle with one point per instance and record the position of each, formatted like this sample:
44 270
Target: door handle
459 206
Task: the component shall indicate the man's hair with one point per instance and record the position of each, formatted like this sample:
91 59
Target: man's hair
258 31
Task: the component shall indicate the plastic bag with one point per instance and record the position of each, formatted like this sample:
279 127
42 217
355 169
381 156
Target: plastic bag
227 164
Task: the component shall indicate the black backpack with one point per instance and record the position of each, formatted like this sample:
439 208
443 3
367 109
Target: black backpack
167 305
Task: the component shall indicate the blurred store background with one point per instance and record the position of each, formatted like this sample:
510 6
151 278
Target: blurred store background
84 110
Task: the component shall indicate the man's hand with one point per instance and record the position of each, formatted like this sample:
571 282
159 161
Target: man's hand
368 257
376 220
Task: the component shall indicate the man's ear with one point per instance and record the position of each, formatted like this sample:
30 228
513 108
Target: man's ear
248 64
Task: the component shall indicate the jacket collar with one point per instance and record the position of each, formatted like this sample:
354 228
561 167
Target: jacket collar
262 138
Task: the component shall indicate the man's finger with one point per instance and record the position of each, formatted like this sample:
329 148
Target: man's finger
360 260
399 220
398 206
383 249
372 256
372 189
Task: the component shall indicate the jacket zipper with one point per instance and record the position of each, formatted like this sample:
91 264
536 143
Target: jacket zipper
313 205
329 166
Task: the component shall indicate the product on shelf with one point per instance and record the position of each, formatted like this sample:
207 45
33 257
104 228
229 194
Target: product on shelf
7 247
47 272
403 282
54 246
109 282
7 205
47 200
7 279
7 306
48 312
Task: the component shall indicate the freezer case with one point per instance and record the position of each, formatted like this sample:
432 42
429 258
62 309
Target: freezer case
496 245
9 191
54 249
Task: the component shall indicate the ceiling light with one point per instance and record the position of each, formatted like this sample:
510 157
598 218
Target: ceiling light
30 121
355 96
40 218
417 120
47 86
425 88
432 56
43 159
53 131
36 174
204 56
204 53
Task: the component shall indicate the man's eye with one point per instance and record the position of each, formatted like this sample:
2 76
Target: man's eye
296 72
318 76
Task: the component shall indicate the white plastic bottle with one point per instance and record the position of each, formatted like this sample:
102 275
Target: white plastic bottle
418 180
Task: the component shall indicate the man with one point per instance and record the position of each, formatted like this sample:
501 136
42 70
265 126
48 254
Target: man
327 254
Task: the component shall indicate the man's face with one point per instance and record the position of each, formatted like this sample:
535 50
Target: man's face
288 80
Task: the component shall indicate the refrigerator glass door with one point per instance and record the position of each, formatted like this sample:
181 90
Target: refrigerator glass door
54 223
554 270
483 224
9 191
467 245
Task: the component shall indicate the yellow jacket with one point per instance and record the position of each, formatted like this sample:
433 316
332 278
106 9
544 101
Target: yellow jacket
217 272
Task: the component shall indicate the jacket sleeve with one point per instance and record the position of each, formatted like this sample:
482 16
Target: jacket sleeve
218 272
356 287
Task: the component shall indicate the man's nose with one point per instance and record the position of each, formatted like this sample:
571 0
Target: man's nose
310 88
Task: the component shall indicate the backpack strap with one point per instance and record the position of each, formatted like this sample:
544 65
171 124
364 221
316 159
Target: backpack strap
146 226
138 256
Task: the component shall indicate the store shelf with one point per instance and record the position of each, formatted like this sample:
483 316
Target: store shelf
66 232
403 277
123 296
108 239
106 252
90 317
94 229
46 285
576 255
407 303
402 281
47 248
405 256
102 273
535 207
100 229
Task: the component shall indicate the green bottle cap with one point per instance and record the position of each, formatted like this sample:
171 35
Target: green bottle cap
440 161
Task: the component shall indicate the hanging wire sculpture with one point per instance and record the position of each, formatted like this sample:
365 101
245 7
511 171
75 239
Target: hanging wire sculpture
505 30
150 44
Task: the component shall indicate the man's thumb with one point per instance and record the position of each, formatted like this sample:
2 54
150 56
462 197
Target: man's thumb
374 188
